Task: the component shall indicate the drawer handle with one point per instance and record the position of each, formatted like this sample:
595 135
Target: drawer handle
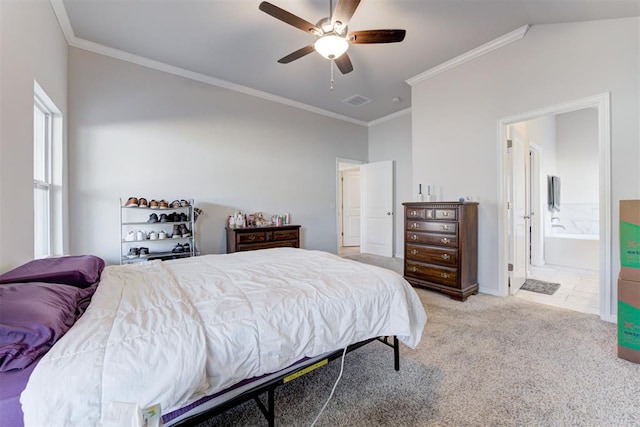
414 213
446 256
414 251
414 225
252 237
414 269
445 227
445 213
445 240
429 214
445 275
414 237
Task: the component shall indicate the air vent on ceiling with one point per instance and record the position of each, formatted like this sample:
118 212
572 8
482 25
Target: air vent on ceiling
357 100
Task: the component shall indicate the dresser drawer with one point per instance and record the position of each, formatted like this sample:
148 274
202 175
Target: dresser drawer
252 237
419 213
267 245
446 214
441 275
433 226
285 234
432 239
432 255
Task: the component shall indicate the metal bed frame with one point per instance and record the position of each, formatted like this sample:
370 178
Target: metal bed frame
269 387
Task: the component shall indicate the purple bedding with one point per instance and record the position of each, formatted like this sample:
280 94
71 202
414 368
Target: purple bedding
35 312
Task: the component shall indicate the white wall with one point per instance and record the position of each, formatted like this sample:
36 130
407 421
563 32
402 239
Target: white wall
577 155
391 140
32 47
139 132
455 115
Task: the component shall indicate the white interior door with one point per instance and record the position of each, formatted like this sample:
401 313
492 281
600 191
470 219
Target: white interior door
518 157
351 208
377 208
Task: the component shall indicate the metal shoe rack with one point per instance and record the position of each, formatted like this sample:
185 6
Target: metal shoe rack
138 220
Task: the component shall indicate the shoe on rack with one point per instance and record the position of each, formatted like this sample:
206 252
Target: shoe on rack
153 218
162 235
186 248
176 234
175 204
171 217
143 252
132 202
133 253
162 204
153 235
184 203
184 231
131 236
153 204
142 203
141 235
164 218
177 249
183 217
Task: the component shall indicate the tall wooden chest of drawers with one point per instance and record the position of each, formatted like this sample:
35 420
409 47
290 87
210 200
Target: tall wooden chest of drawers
252 238
441 247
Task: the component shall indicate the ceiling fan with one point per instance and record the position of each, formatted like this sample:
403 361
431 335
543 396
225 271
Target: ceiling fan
333 38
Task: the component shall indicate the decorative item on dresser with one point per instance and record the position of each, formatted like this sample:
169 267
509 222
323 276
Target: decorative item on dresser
441 247
252 238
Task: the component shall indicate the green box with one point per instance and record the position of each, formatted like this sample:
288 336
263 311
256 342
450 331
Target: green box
629 320
630 240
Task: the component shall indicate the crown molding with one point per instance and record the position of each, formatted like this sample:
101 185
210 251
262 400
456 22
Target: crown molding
389 117
472 54
65 24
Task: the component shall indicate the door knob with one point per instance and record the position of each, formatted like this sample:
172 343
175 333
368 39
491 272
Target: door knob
388 213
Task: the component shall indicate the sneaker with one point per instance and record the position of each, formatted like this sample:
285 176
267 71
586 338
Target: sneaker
162 204
164 218
142 203
141 235
153 218
171 217
132 202
153 235
133 253
175 204
177 249
184 203
184 231
176 234
131 236
162 235
153 204
143 252
183 217
186 247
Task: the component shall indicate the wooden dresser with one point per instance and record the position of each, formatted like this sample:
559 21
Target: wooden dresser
441 247
252 238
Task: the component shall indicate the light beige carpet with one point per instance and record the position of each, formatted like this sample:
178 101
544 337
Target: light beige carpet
489 361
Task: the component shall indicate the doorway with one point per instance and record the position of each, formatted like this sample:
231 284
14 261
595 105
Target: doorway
536 262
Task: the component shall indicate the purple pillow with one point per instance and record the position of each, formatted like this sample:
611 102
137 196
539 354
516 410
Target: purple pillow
33 316
81 271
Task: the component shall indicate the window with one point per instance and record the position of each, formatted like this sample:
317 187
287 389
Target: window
42 141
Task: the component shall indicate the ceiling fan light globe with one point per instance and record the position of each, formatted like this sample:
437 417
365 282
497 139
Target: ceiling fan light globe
331 46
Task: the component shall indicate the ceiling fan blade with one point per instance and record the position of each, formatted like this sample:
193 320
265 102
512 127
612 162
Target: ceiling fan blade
344 11
344 63
376 36
288 17
297 54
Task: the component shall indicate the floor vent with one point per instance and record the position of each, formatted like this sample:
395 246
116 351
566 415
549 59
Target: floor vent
357 100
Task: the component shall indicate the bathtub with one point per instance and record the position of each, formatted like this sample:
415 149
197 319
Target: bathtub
573 250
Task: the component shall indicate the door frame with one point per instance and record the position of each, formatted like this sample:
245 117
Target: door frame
602 103
338 206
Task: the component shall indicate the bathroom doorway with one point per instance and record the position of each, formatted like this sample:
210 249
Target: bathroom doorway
569 243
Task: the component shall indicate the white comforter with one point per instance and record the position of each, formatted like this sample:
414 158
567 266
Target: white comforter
171 332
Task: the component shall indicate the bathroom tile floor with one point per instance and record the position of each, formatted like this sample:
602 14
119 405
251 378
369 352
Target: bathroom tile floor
579 289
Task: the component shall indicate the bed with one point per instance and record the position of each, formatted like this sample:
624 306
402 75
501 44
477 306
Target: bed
196 334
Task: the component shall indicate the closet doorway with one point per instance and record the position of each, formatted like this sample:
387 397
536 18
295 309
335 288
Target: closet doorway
348 207
568 243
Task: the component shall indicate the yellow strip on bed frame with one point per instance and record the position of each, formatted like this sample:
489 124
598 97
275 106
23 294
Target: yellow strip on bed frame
305 370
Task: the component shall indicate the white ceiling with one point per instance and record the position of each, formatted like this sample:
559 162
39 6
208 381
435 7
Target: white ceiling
233 41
